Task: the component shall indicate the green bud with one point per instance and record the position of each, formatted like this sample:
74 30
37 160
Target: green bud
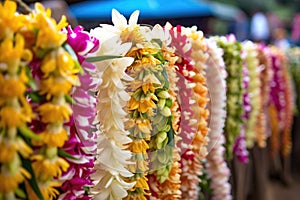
166 112
161 103
163 94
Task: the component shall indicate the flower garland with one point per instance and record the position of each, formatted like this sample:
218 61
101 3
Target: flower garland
82 144
289 106
277 99
188 125
216 166
252 63
58 74
240 147
15 111
265 75
165 182
192 158
234 105
113 137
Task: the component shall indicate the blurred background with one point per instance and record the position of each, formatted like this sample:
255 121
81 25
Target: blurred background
274 22
213 17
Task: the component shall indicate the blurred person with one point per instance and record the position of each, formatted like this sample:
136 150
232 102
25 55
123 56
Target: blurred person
259 28
280 39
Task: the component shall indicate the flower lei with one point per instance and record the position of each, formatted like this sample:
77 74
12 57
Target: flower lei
265 74
240 147
15 111
196 153
55 71
277 99
113 137
216 166
234 104
164 181
252 63
82 144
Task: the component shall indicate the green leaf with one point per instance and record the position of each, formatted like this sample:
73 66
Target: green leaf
26 132
20 193
65 154
69 99
101 58
32 182
35 97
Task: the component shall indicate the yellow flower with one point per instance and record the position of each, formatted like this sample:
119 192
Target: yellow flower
138 146
52 139
60 63
47 189
8 149
49 34
10 22
144 125
51 113
10 117
55 86
11 87
12 51
46 168
9 182
143 105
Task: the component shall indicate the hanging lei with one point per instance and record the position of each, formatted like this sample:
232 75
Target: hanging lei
111 175
277 99
254 86
216 166
234 104
293 59
195 153
265 74
167 184
289 107
82 142
240 147
15 111
55 71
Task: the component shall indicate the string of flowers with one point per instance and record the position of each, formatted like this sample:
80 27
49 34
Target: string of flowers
234 94
289 107
198 146
188 126
240 146
165 183
56 75
15 111
82 142
254 86
216 166
111 176
265 75
277 99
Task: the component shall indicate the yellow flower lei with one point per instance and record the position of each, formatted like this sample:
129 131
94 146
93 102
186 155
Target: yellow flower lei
15 111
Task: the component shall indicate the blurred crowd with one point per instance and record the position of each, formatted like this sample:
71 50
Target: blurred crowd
268 28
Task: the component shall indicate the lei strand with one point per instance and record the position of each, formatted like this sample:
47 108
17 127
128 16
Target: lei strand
265 78
234 105
82 142
252 63
216 166
15 111
56 74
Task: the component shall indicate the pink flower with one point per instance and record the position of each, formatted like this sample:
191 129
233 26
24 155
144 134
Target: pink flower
82 42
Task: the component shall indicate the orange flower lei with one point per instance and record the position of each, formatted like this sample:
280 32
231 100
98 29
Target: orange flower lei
265 76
